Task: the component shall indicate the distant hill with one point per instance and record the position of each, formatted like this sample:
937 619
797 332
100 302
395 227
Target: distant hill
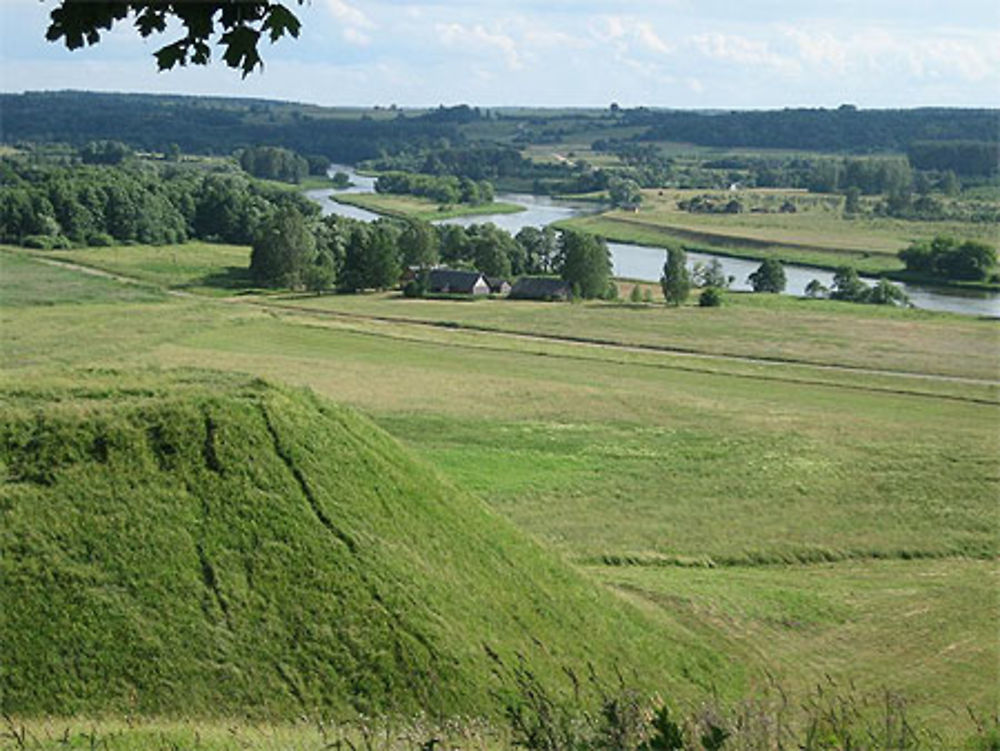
218 125
211 545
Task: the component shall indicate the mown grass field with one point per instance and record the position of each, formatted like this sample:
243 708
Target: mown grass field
196 267
415 207
804 521
817 234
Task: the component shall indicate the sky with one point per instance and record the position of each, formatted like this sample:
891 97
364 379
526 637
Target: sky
689 54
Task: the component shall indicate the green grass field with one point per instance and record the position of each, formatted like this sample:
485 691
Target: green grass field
799 520
208 268
414 207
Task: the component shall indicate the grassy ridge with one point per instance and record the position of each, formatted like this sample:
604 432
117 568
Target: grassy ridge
205 545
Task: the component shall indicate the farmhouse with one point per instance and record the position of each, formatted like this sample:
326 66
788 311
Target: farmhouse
457 282
540 288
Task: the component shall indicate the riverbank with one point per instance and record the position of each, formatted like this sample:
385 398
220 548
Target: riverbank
413 207
659 236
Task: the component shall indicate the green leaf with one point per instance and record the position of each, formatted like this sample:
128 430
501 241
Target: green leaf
241 49
171 55
280 21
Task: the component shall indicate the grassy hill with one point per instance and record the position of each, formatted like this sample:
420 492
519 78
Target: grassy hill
207 545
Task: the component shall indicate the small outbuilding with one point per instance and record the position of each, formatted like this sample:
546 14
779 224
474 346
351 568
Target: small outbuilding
498 286
540 288
457 282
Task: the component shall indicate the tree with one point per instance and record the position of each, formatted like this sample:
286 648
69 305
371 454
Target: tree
710 275
886 293
675 282
624 193
847 285
540 248
816 288
769 277
635 296
585 263
852 200
282 250
239 25
418 245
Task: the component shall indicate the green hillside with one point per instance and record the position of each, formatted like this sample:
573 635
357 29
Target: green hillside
202 544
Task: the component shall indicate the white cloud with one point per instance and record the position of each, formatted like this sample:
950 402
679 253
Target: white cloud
356 37
475 38
348 14
648 37
742 50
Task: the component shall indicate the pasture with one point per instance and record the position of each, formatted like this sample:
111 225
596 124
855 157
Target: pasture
805 521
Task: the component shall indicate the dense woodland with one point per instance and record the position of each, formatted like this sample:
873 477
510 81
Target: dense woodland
57 206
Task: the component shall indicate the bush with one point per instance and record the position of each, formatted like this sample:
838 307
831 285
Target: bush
38 242
414 288
100 240
711 297
635 295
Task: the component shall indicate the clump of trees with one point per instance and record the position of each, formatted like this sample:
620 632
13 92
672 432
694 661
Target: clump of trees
104 152
445 189
848 286
274 163
291 249
949 258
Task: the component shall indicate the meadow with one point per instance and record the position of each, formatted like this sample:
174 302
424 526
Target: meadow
803 521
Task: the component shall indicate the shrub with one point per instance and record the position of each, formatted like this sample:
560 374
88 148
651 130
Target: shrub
711 297
39 242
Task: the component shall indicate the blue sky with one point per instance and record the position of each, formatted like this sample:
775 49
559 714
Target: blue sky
665 53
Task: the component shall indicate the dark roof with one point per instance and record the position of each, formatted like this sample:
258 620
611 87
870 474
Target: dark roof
496 283
540 288
452 280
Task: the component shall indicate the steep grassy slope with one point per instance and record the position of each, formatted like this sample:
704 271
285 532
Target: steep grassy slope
204 545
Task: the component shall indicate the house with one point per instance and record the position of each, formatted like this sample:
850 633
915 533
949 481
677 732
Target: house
540 288
445 281
498 286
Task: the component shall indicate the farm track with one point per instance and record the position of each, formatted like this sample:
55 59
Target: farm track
584 343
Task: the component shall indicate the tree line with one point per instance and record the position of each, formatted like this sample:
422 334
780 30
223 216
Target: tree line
54 206
843 129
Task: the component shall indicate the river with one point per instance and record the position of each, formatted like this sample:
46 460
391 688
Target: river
646 263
